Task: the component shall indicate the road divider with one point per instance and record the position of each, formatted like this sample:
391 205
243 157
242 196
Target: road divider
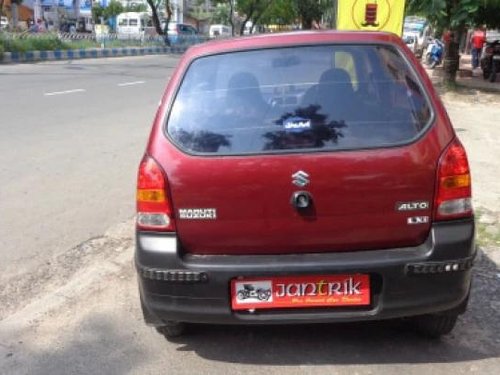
32 56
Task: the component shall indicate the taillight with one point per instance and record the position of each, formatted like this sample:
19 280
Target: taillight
453 196
154 209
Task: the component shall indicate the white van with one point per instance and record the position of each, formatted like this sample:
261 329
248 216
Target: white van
219 31
133 24
84 24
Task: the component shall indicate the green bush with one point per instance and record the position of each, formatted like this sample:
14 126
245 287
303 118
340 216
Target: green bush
25 42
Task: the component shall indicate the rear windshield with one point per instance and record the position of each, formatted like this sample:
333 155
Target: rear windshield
302 98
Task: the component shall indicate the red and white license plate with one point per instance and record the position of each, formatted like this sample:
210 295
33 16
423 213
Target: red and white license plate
300 291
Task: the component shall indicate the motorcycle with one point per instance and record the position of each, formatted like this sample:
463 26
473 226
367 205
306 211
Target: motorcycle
434 53
490 60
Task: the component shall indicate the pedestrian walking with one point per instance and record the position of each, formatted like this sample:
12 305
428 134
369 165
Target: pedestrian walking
477 40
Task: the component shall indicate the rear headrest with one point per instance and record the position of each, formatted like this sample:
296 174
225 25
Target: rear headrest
335 75
243 80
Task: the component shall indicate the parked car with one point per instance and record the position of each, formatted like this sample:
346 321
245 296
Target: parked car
4 23
180 33
421 30
318 165
411 42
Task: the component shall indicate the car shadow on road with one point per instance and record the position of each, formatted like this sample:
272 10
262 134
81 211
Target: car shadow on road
392 342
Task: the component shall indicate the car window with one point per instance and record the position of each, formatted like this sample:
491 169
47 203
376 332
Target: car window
287 99
133 22
122 22
187 29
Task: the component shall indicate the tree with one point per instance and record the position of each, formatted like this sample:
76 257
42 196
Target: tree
221 14
113 9
230 7
199 13
488 14
280 12
97 13
155 5
1 7
136 8
308 11
454 16
253 10
311 11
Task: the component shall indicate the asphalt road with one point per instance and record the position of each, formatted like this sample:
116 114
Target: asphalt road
71 136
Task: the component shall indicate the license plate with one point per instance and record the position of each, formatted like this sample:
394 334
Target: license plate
496 57
300 291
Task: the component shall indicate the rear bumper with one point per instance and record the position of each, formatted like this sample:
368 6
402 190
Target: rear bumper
405 281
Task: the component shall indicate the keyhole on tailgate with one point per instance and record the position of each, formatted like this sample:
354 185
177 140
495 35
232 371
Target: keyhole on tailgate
301 200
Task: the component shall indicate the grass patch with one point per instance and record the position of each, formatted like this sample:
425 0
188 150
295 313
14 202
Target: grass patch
23 43
487 234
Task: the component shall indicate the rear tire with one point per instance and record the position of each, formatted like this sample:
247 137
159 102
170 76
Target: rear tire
434 326
428 59
172 330
486 73
493 75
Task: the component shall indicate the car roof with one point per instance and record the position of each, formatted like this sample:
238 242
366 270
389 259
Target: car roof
291 39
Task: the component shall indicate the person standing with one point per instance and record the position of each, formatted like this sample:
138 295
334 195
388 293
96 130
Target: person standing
477 40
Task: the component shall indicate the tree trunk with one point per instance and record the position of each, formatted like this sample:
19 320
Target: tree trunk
259 15
243 24
168 9
231 12
15 15
156 20
451 61
307 24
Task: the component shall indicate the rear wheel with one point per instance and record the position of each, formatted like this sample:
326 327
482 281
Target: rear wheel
172 329
428 59
434 326
486 73
493 74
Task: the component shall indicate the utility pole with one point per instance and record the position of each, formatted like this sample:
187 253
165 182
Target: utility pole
37 11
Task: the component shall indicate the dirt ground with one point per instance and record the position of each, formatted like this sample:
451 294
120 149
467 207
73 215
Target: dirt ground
80 313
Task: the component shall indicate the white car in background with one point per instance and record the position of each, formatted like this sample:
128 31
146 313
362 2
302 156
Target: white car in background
419 28
410 41
4 23
219 31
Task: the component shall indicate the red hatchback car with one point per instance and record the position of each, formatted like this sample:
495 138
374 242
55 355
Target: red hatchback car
308 177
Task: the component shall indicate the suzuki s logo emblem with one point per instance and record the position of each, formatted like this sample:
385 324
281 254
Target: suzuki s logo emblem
300 178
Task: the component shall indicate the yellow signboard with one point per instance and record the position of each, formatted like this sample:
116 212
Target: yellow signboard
371 15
